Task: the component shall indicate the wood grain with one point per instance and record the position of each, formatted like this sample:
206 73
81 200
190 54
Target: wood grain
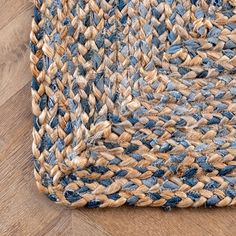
23 210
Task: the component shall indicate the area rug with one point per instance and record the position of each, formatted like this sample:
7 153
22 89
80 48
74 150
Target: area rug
134 102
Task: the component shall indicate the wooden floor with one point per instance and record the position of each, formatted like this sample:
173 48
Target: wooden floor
23 210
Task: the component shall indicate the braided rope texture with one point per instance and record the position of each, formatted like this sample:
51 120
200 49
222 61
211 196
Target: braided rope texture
134 102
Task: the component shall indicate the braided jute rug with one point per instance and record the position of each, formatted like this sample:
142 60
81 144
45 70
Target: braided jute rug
134 102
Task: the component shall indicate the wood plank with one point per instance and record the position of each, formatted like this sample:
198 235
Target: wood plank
155 221
10 9
24 211
14 51
82 225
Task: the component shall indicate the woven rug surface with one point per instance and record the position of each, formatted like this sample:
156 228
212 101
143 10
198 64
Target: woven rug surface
134 102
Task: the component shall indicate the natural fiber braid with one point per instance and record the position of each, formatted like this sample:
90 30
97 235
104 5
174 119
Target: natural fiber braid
134 102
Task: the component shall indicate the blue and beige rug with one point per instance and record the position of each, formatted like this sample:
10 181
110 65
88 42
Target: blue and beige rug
134 102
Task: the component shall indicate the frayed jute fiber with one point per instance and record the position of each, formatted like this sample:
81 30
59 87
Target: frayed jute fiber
134 102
